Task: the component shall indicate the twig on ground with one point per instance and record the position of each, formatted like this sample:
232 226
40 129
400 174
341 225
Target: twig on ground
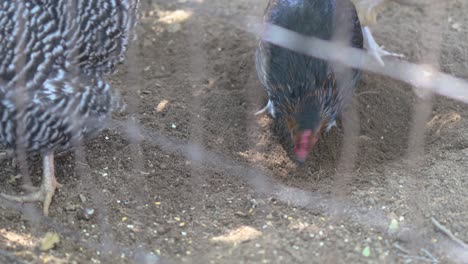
412 258
402 249
427 253
449 233
407 255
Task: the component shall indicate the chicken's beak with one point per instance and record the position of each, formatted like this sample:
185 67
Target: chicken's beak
304 142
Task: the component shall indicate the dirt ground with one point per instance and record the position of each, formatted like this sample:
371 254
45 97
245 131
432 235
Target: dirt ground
234 195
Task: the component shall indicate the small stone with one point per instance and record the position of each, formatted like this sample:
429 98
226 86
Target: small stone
86 214
83 198
162 230
456 26
253 203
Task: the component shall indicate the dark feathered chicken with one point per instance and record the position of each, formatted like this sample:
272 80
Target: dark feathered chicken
307 94
52 92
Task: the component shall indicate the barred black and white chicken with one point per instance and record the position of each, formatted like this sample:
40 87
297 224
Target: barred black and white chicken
54 55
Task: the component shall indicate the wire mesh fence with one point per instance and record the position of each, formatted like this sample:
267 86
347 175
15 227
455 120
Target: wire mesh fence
188 164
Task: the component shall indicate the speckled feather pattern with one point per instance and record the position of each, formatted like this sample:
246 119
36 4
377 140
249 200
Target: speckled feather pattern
54 57
292 80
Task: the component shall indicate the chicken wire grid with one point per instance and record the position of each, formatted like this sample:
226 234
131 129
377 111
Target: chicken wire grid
211 173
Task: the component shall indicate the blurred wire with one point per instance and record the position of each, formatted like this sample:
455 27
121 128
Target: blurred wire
416 75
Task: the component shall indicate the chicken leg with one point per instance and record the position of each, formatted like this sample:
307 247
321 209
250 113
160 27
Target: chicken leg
46 190
374 49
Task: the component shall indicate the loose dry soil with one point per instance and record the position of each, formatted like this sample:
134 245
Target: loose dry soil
235 195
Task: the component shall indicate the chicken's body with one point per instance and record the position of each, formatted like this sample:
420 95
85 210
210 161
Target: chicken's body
307 94
52 91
